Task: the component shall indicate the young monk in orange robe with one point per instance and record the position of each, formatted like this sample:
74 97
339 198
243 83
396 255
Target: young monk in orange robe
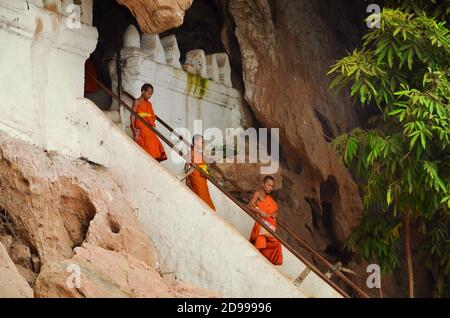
265 206
196 181
144 137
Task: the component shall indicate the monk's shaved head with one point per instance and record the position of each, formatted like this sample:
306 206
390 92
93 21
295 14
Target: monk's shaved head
147 91
268 184
268 178
146 87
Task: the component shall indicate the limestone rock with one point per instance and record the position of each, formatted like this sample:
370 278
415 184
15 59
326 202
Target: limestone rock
36 262
28 274
7 241
286 86
156 16
21 254
56 204
105 273
12 284
246 175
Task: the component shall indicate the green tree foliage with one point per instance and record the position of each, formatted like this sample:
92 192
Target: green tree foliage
402 163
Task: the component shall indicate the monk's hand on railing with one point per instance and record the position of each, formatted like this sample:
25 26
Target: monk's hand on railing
263 214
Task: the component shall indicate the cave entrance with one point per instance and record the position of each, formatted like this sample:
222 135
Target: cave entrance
111 21
206 26
201 29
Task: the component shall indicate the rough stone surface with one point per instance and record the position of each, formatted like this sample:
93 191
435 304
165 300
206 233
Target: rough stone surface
12 284
28 274
106 273
73 212
6 240
279 55
57 204
20 254
156 16
246 175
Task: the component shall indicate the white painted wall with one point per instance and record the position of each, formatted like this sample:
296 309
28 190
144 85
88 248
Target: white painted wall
42 73
41 83
192 242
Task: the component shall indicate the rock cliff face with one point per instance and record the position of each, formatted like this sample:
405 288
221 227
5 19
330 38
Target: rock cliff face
55 212
287 47
284 49
12 284
156 16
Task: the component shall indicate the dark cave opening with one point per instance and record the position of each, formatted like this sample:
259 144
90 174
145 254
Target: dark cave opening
203 28
111 21
200 30
207 26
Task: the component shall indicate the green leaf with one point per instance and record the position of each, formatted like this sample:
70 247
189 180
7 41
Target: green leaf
410 58
391 57
389 197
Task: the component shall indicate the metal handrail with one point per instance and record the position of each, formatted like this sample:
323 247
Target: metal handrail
242 206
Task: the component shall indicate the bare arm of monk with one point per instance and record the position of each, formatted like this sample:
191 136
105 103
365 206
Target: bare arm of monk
188 169
252 204
133 118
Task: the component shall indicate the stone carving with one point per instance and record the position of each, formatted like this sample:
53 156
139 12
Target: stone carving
212 68
172 51
198 59
152 46
132 38
223 64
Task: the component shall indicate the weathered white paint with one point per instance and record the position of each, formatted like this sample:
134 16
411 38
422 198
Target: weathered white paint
212 68
132 38
223 63
152 46
198 59
44 106
172 51
42 73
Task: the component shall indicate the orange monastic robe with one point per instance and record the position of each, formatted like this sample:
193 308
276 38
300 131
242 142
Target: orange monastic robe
270 247
90 86
199 184
147 138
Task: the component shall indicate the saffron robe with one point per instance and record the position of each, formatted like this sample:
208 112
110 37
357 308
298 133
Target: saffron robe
90 86
269 246
198 183
147 139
